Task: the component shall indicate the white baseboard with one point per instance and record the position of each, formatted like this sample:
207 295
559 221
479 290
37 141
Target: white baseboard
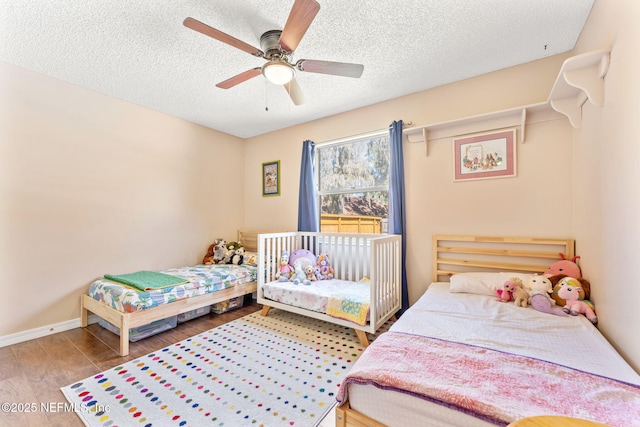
43 331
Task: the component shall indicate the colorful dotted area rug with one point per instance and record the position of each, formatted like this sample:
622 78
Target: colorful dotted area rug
280 370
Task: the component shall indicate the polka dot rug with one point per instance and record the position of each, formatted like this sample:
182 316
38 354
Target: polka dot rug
280 370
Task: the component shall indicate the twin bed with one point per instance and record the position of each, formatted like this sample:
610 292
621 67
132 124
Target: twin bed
205 285
459 357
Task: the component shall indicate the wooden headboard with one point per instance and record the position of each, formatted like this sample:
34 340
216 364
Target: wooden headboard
456 254
249 239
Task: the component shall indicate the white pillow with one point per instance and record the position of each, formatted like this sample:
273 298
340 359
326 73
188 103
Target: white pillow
483 283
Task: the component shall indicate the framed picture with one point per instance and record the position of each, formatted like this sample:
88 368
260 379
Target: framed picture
271 178
485 156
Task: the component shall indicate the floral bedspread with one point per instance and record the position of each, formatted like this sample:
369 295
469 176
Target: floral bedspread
495 386
202 279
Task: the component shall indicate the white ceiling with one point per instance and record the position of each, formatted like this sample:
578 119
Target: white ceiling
139 50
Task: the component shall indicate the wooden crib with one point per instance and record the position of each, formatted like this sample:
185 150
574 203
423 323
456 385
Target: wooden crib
353 257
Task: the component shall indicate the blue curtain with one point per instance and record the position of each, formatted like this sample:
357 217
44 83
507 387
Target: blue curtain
307 203
397 212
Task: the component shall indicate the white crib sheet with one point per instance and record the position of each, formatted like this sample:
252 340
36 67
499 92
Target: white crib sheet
314 297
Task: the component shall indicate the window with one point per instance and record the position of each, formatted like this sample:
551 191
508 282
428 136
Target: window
353 184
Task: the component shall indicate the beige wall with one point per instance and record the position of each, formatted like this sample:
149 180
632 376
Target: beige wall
576 183
92 185
605 185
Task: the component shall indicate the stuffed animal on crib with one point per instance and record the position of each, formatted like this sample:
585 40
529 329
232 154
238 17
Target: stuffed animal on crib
238 256
299 276
506 293
520 295
284 273
324 271
310 272
571 291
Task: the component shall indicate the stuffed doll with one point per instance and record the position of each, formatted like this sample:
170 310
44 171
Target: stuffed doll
540 285
218 252
284 273
571 291
540 290
506 293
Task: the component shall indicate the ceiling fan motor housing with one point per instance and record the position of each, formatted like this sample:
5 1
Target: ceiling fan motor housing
270 46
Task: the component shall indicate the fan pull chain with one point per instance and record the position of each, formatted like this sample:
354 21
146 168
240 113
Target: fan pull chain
266 95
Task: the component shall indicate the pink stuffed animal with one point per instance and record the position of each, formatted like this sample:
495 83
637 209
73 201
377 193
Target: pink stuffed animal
565 266
571 291
506 293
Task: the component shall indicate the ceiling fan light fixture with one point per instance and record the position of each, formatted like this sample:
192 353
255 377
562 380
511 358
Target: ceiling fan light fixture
278 72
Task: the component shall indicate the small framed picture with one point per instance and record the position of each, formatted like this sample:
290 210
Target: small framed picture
271 178
485 156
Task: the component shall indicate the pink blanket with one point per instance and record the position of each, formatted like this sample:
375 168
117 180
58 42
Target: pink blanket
492 385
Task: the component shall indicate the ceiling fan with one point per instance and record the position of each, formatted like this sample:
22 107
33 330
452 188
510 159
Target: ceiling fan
277 49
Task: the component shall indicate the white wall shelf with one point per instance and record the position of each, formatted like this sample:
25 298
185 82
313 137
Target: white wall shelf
580 78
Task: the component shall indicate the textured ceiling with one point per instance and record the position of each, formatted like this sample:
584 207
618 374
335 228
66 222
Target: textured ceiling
139 50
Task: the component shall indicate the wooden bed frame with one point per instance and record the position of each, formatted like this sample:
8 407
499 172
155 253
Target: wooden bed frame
376 256
456 254
125 321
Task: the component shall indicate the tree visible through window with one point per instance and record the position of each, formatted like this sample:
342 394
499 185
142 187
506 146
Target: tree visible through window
353 185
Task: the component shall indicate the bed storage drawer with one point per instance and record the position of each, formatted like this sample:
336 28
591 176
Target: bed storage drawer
224 306
144 331
183 317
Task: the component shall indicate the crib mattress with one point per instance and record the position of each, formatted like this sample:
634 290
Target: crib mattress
352 297
202 279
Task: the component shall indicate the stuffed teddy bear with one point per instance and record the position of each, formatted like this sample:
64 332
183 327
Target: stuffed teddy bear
231 247
238 256
284 273
506 293
323 269
310 272
571 291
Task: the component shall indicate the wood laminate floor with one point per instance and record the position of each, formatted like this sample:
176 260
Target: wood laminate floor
32 372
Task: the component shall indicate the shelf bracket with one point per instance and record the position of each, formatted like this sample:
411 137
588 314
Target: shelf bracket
581 78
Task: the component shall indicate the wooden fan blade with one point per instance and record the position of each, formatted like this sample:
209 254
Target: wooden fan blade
328 67
294 91
242 77
198 26
301 16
